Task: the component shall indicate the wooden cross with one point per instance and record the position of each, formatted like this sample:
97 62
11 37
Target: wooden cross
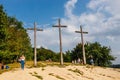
60 38
83 49
35 52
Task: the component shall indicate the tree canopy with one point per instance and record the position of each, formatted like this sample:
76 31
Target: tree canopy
46 54
100 54
14 39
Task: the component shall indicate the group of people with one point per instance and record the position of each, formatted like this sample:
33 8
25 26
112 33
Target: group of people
21 61
3 66
79 61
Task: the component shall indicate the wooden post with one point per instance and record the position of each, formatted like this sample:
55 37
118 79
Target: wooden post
83 49
35 51
60 39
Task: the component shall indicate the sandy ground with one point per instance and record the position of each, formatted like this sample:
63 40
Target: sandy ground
63 73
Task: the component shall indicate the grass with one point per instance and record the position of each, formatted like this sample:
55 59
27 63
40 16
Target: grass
30 64
111 77
77 71
51 74
11 67
80 73
36 75
42 69
57 76
2 71
90 66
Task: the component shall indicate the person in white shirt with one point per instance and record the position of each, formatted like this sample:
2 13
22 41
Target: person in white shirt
22 61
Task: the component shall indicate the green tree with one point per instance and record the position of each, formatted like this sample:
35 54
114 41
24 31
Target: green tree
3 27
45 54
14 39
67 56
77 52
100 54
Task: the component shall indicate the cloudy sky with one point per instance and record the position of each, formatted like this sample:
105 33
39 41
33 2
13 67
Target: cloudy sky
100 18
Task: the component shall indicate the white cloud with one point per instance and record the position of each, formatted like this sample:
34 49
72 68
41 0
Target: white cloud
110 38
69 6
102 21
94 4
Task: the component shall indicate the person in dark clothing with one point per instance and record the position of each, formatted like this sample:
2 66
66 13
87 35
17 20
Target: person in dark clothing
91 61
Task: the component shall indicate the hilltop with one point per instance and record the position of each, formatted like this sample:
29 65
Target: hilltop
71 72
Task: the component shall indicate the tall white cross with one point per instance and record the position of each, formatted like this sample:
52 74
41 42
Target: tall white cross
83 49
35 51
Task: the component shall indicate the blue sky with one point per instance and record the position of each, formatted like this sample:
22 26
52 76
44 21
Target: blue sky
41 11
34 10
99 17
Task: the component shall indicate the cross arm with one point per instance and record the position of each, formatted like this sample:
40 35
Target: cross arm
39 29
33 29
82 32
58 26
30 28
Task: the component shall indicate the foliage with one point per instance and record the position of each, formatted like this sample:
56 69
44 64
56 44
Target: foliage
36 75
3 26
45 54
67 56
48 55
77 71
14 39
100 54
